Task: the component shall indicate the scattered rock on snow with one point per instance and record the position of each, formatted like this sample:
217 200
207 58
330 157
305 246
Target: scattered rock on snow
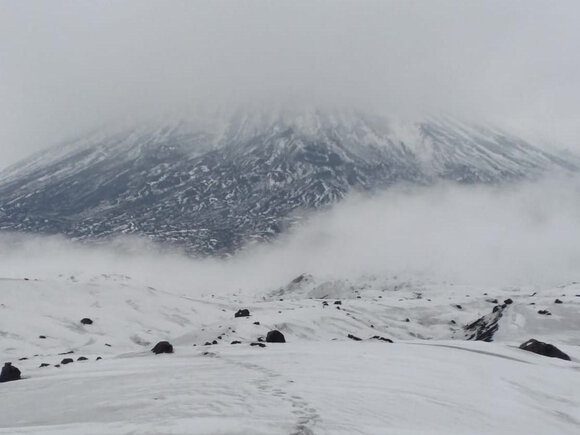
9 373
67 361
544 312
162 347
275 336
86 321
258 344
544 349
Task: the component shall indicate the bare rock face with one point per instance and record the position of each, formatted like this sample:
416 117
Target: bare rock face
162 347
544 349
9 373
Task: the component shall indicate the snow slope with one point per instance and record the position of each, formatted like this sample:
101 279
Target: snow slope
429 381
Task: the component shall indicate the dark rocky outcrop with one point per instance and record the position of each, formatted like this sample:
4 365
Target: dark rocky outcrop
67 361
558 301
354 337
82 358
236 342
162 347
544 349
508 301
242 313
275 336
44 365
486 326
378 337
544 312
86 321
9 373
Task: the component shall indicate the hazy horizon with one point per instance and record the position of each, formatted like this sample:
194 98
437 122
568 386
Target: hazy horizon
68 67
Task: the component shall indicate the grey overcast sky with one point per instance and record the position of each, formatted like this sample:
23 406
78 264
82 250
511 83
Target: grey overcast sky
67 66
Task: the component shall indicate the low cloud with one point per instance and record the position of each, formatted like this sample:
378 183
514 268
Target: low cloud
521 234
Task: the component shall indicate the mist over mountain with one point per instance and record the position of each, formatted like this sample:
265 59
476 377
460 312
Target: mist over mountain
212 185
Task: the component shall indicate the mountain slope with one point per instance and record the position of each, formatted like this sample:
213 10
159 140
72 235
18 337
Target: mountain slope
213 187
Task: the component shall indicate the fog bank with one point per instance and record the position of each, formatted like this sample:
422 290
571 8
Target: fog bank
521 234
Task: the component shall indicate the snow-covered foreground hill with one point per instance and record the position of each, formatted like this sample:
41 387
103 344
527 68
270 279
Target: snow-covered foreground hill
429 381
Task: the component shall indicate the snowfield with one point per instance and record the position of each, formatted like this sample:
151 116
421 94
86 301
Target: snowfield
429 381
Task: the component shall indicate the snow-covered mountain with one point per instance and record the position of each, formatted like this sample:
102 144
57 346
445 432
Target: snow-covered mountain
217 183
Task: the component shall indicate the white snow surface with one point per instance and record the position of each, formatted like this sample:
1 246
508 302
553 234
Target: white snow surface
429 381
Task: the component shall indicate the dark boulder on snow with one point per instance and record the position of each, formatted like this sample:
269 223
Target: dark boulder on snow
558 301
86 321
275 336
236 342
9 373
44 365
162 347
67 361
544 349
82 358
508 301
544 312
354 337
242 313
